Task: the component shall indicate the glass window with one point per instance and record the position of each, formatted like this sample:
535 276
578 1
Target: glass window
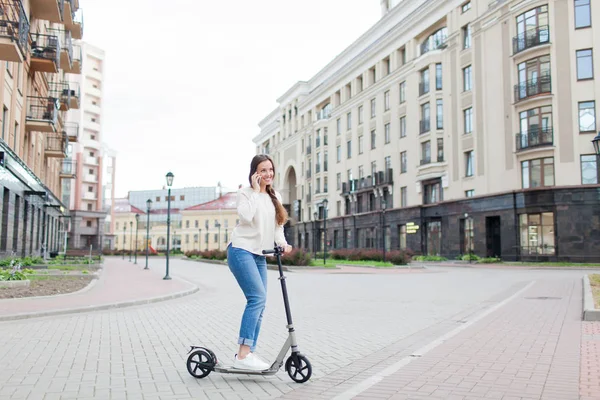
440 149
424 85
467 83
469 160
587 116
360 115
583 14
373 108
402 92
532 29
534 77
425 152
435 41
469 193
403 162
468 120
585 65
338 181
386 100
339 126
439 114
537 233
338 153
387 133
373 139
349 121
466 31
403 126
466 6
403 196
589 169
360 144
349 149
438 76
538 172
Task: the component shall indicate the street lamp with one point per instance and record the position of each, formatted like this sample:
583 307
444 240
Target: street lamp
596 143
130 239
137 221
315 215
169 184
148 207
124 236
325 202
383 206
468 228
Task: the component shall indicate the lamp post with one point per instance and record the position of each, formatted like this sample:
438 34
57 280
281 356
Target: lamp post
315 231
219 235
383 206
137 221
199 236
148 207
130 239
325 203
124 236
596 143
467 227
169 177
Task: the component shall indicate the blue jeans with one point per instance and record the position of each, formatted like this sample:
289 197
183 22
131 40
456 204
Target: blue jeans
250 271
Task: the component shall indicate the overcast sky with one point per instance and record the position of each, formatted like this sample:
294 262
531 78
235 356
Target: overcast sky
187 81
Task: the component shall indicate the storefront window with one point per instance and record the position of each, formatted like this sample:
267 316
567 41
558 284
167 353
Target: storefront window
537 233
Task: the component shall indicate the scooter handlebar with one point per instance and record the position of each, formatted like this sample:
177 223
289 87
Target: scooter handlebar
276 250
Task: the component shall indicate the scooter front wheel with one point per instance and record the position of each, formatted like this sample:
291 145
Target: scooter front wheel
298 368
200 363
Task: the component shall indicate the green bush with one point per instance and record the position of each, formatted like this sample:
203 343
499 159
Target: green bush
430 258
297 257
470 257
14 274
489 260
396 257
207 254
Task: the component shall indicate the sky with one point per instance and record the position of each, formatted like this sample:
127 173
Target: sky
186 82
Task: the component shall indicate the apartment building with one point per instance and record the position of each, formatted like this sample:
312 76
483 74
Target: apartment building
38 54
84 193
449 127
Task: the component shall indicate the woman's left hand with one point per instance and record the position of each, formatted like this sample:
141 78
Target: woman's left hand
287 249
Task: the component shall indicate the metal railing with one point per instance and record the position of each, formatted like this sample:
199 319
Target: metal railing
533 87
61 92
45 46
14 24
424 125
426 161
531 38
71 129
66 42
42 109
69 167
535 138
56 142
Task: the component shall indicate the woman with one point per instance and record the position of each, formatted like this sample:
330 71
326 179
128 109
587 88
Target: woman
262 217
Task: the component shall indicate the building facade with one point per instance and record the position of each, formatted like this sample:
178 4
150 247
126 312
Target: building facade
446 129
84 193
38 55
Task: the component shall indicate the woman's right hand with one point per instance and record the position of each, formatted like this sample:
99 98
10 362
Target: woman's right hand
256 182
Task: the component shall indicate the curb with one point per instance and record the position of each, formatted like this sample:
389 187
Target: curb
100 307
219 262
590 313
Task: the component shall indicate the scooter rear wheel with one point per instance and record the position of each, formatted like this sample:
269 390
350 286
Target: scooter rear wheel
200 363
298 368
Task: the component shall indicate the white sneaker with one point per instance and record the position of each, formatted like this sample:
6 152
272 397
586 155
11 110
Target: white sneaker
251 363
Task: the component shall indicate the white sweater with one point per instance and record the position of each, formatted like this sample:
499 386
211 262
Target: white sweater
258 229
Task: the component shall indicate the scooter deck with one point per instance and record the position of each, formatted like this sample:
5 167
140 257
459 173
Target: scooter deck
228 369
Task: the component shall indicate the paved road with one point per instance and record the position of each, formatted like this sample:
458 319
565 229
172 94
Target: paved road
369 334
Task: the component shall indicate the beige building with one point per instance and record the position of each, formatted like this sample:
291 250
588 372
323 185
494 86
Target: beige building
37 50
449 127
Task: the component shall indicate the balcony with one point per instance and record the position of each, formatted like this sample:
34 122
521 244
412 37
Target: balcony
531 38
384 177
77 26
91 161
424 126
533 87
68 14
56 145
89 196
62 92
423 88
42 114
69 169
14 31
90 178
75 66
45 53
71 129
50 10
66 46
534 138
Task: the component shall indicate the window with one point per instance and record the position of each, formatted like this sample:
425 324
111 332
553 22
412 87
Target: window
158 199
440 150
467 83
537 233
425 119
534 78
338 155
466 6
361 172
469 160
373 139
432 191
466 226
535 127
439 118
360 144
187 223
373 108
403 126
587 116
88 224
318 186
386 100
360 115
90 189
402 236
583 14
117 226
387 133
537 173
349 149
468 120
469 193
466 33
425 152
359 84
403 162
438 76
318 138
402 88
182 197
532 29
348 121
436 40
89 206
388 163
325 161
348 91
338 126
196 224
403 196
373 75
585 65
402 56
589 169
338 181
424 85
386 66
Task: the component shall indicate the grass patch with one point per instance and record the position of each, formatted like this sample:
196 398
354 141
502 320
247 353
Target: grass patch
69 267
595 283
333 263
555 264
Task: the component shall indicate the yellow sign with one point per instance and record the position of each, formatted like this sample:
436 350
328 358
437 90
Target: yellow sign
411 227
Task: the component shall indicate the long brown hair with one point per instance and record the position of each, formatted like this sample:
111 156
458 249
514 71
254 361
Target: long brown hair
281 214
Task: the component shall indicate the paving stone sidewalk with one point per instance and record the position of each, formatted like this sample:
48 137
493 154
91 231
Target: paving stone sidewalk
120 283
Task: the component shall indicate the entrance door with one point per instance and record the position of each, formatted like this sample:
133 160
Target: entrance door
434 238
493 237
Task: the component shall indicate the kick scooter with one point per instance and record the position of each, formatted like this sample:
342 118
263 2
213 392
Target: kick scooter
202 361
